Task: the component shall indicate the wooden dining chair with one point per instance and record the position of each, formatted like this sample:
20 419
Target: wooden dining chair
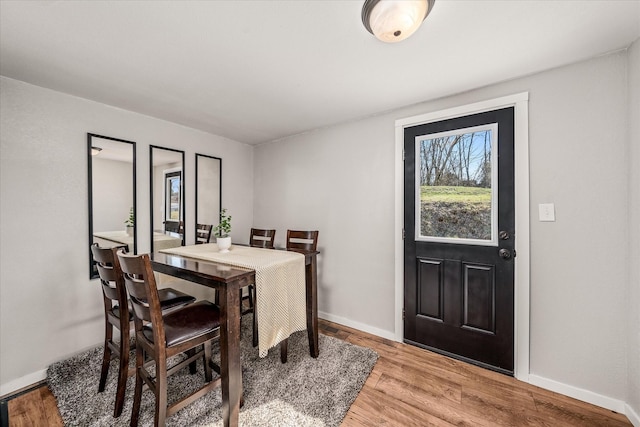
262 238
258 238
203 233
305 240
118 316
298 240
191 330
176 227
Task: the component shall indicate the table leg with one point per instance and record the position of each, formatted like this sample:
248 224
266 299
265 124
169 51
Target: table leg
311 279
231 370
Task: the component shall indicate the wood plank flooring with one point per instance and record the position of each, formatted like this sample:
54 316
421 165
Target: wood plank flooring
411 387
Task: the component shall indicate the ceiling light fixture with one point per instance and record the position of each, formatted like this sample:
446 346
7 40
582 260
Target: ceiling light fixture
392 21
95 151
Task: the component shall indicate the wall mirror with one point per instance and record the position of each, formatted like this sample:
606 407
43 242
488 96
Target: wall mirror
112 193
167 198
208 195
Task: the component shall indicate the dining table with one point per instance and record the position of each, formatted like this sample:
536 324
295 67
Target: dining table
227 280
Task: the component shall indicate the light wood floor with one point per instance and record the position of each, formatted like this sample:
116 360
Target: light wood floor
411 387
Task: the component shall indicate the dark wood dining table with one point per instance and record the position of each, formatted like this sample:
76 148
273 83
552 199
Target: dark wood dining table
227 281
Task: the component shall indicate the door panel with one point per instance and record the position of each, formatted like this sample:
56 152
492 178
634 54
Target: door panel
431 293
459 216
478 297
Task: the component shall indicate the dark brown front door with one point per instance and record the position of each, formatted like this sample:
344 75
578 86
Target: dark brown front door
459 237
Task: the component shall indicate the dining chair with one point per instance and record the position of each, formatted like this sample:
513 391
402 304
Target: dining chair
262 238
258 238
174 227
190 329
203 233
298 240
117 315
305 240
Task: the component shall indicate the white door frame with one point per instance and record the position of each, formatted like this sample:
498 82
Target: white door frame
520 102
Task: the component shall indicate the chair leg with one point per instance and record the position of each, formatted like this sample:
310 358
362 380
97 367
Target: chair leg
207 357
284 344
250 295
106 356
252 291
123 372
137 395
161 391
192 365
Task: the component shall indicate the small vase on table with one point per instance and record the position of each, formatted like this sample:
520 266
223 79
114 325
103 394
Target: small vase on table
224 243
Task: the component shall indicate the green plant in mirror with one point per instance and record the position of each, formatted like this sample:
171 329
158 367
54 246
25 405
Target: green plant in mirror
224 228
131 220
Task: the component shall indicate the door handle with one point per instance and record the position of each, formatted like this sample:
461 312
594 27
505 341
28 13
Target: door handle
505 254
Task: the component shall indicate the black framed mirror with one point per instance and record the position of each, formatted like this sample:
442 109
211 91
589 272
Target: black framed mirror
112 194
208 195
167 197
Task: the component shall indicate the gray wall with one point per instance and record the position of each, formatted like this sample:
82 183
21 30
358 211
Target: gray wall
49 309
340 181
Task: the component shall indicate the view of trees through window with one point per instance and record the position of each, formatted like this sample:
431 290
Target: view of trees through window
173 197
455 185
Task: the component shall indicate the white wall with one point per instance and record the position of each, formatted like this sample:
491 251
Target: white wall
633 350
208 194
112 181
49 309
340 181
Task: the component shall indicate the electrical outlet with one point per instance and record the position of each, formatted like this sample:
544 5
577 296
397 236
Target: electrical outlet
547 212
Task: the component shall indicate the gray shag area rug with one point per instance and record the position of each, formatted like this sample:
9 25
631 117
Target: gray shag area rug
302 392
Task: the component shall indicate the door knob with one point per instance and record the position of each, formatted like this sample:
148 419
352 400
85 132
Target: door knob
504 254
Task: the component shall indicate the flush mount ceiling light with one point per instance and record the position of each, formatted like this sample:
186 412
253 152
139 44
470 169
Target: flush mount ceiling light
394 20
95 151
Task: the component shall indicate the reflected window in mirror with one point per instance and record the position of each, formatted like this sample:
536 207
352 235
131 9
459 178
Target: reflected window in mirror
112 194
172 196
208 195
167 198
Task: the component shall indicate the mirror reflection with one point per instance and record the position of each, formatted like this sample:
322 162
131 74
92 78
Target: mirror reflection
112 197
208 195
167 197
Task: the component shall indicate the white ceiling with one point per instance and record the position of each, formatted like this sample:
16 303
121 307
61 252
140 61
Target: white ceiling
255 71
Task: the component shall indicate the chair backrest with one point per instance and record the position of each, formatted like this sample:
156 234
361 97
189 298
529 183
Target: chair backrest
262 238
143 292
203 233
306 240
110 274
174 227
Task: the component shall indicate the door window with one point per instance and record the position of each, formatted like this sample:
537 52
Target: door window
456 186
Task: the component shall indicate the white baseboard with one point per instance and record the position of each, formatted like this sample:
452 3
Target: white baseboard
390 335
633 416
580 394
23 382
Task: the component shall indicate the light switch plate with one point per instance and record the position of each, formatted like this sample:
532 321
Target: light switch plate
547 212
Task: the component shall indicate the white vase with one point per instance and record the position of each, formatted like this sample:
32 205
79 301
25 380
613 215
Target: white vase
224 243
129 230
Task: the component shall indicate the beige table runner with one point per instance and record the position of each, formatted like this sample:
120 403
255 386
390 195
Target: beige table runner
120 237
280 286
165 241
160 240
